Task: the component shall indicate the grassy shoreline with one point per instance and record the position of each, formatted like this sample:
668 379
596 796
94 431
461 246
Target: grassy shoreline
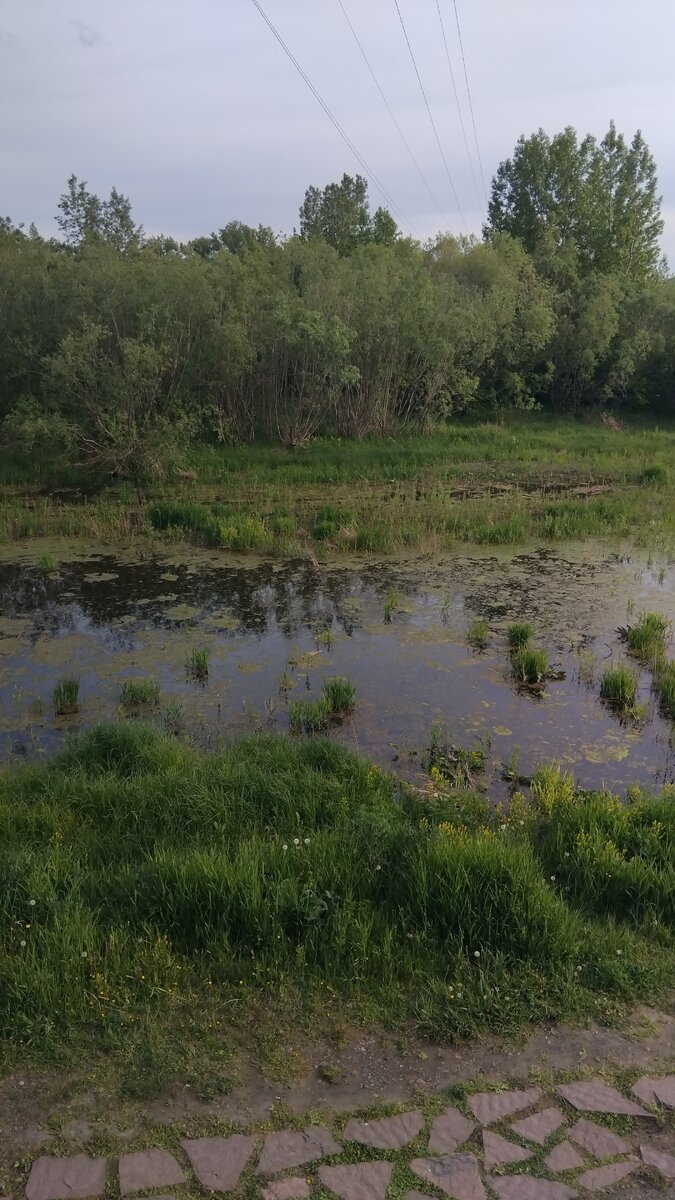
141 876
533 479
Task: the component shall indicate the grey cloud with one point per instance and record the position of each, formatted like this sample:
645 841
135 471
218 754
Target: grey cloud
86 36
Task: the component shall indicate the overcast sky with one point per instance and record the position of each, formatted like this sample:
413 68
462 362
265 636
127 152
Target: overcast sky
192 108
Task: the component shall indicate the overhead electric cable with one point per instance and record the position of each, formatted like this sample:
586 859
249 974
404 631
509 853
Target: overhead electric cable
468 92
343 134
389 109
459 107
430 114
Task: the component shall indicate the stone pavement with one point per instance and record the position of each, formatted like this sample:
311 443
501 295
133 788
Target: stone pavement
512 1145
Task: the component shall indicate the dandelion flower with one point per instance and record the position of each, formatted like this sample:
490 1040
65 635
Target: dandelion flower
379 868
567 854
296 841
22 942
84 954
32 903
552 878
284 847
619 951
307 841
476 953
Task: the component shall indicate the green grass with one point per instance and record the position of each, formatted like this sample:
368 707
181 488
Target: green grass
530 665
646 639
526 478
664 683
477 636
139 691
46 561
338 696
392 604
140 875
618 687
65 696
519 634
198 665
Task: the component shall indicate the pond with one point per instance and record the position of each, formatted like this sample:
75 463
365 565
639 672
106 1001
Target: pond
275 631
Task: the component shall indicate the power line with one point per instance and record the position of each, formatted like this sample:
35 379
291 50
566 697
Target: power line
468 92
389 109
431 118
343 134
459 108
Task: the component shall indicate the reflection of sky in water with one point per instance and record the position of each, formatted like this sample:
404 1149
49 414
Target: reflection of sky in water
105 619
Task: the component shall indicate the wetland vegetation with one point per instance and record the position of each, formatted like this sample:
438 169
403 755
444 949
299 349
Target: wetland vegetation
324 470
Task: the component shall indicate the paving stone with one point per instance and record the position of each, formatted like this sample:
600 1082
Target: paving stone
539 1127
597 1139
148 1169
388 1133
219 1161
411 1195
563 1158
455 1174
365 1181
60 1178
665 1163
596 1096
493 1106
525 1187
288 1148
448 1131
644 1090
665 1091
295 1188
499 1150
604 1177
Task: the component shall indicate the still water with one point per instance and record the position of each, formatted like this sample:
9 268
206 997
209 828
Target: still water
105 618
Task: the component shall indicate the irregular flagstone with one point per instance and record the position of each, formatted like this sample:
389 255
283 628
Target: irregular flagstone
526 1187
597 1139
493 1106
411 1195
365 1181
219 1161
148 1169
665 1091
539 1127
295 1188
644 1090
604 1177
388 1133
289 1148
596 1096
448 1131
563 1158
499 1150
60 1178
665 1163
455 1174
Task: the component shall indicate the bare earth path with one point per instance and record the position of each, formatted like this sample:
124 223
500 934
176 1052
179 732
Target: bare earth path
566 1113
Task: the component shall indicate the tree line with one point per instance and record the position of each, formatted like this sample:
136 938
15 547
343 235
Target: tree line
118 349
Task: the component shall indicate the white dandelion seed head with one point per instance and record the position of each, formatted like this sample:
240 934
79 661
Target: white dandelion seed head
22 942
32 903
284 847
307 841
476 953
619 951
296 841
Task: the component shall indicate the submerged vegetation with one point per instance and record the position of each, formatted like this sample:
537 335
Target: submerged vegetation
338 696
422 905
65 696
139 692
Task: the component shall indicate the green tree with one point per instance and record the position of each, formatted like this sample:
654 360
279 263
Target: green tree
599 201
83 215
340 214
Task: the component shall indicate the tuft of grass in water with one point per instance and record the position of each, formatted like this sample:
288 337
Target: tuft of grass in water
477 636
453 765
173 717
618 687
139 691
324 637
198 665
65 696
392 603
338 696
161 874
530 664
664 685
519 634
46 561
646 639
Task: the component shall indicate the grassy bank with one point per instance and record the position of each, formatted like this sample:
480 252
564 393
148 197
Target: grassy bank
488 484
142 879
